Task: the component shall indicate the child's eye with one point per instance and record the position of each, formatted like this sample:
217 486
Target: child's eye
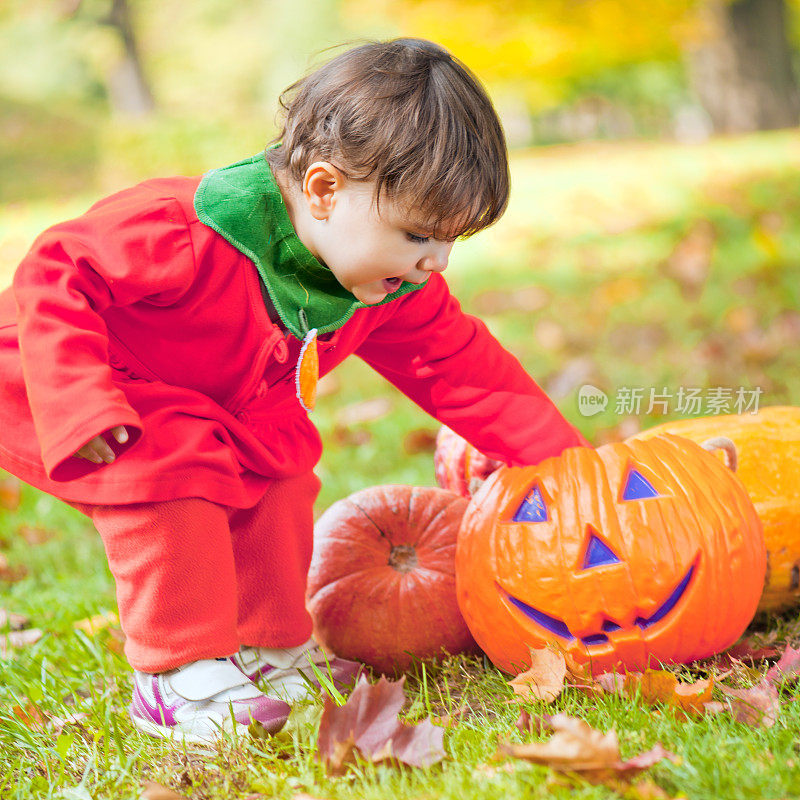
412 237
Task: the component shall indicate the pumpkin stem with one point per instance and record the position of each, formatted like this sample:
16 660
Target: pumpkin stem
727 446
403 557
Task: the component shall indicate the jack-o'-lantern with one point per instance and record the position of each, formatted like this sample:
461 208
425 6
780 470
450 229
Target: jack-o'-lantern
628 555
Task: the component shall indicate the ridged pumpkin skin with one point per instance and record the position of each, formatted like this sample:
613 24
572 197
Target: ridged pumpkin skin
768 446
382 577
615 582
459 467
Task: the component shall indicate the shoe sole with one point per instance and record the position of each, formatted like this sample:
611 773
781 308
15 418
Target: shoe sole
176 734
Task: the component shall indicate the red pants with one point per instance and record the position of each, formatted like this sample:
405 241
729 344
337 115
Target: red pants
198 580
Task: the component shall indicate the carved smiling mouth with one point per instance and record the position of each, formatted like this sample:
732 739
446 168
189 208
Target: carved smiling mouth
559 627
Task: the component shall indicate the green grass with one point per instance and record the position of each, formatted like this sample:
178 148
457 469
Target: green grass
590 237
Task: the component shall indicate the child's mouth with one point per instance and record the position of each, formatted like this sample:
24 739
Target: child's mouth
392 284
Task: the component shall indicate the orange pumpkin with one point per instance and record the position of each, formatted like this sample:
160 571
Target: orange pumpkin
459 467
768 444
630 554
382 581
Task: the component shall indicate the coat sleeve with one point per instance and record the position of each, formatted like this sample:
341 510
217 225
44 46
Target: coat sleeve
448 363
133 246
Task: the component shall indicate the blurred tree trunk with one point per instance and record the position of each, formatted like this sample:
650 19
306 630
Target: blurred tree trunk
129 90
743 74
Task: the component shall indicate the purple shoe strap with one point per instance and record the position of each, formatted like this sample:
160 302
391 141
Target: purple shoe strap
160 713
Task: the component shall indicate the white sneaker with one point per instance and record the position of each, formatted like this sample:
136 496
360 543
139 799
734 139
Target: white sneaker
200 700
286 672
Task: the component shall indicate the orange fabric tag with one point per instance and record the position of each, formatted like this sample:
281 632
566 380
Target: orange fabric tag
306 373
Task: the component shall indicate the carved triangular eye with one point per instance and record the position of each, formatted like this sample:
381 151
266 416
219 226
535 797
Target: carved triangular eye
598 553
637 487
533 508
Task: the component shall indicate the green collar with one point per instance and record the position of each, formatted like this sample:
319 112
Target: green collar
243 204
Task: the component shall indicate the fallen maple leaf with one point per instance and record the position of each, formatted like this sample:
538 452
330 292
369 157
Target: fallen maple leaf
367 725
756 706
155 791
544 679
788 666
577 747
659 686
746 649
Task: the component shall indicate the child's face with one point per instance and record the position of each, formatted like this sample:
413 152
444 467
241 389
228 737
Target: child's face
371 253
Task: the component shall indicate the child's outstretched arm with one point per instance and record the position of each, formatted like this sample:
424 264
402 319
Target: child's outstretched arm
449 364
130 247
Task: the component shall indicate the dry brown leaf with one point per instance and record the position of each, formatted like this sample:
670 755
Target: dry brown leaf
544 679
692 697
31 715
788 666
612 683
91 626
155 791
11 574
420 440
12 620
757 706
9 493
747 649
653 685
659 686
35 535
14 640
574 747
364 411
577 747
367 725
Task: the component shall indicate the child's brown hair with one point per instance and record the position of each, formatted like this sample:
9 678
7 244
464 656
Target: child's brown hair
411 117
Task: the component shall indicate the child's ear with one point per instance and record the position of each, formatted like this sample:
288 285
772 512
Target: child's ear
320 184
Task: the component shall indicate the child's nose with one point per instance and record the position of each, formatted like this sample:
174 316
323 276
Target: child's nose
434 263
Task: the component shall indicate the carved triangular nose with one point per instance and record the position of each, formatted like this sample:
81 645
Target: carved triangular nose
597 552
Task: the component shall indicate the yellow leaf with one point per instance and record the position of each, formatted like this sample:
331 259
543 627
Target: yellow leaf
91 626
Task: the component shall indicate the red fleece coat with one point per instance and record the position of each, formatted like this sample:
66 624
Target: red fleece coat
138 314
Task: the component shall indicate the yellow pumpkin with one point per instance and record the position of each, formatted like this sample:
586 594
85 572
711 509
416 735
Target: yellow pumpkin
768 446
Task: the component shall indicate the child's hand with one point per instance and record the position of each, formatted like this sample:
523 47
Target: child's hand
97 450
